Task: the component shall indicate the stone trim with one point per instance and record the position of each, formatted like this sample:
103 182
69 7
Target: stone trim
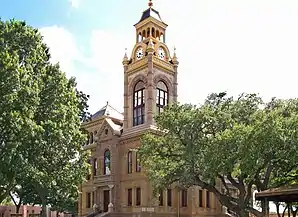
134 81
165 79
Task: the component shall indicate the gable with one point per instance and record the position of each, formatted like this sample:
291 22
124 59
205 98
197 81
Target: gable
109 129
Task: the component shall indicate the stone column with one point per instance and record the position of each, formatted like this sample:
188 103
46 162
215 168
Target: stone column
175 84
150 98
111 206
125 96
95 205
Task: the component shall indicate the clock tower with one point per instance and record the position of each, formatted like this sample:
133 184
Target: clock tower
150 73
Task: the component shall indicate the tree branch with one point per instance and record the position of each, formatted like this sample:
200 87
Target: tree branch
222 179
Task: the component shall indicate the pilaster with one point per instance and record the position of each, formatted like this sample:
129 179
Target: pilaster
150 89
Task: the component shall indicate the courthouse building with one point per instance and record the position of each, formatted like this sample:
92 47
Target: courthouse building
117 184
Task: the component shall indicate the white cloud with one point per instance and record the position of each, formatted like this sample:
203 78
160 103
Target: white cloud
234 45
101 74
62 45
75 3
238 46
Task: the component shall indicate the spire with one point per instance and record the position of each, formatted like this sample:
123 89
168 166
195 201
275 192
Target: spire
175 59
150 12
125 58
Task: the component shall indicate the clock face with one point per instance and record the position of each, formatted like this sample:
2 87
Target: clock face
139 53
161 53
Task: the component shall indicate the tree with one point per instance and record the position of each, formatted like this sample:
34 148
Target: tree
244 142
40 124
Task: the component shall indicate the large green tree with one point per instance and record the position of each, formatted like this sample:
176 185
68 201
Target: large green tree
242 142
40 122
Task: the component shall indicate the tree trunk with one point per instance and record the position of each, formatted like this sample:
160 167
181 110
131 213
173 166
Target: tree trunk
43 208
18 206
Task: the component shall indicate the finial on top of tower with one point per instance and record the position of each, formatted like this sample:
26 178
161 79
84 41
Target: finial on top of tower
150 4
150 46
175 59
125 58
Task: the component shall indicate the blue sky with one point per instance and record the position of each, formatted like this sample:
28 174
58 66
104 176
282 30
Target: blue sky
235 46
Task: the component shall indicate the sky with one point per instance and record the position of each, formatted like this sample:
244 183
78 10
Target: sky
234 46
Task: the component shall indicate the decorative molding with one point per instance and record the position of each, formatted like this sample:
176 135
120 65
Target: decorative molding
135 80
133 53
131 140
148 20
163 64
137 64
92 123
162 45
165 79
104 125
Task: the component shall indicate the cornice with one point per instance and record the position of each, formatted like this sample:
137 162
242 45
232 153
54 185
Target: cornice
168 67
140 64
152 20
93 123
90 146
134 134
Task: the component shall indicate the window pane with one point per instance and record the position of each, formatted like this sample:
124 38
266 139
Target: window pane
184 198
135 100
129 197
200 198
169 197
138 163
161 85
135 113
138 196
207 199
139 85
160 198
129 162
107 163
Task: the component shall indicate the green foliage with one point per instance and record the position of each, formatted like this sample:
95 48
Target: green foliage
40 123
6 202
242 142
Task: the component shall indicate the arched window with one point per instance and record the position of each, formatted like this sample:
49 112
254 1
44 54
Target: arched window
89 174
129 162
138 163
107 163
148 32
161 96
94 167
91 138
140 38
139 104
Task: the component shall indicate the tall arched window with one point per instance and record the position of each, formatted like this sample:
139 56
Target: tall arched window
138 163
161 96
129 162
107 163
91 138
94 167
89 174
139 104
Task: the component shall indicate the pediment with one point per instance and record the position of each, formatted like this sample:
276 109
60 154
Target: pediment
108 129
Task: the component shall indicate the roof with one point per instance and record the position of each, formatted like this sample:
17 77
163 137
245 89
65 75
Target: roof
108 111
281 194
150 12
